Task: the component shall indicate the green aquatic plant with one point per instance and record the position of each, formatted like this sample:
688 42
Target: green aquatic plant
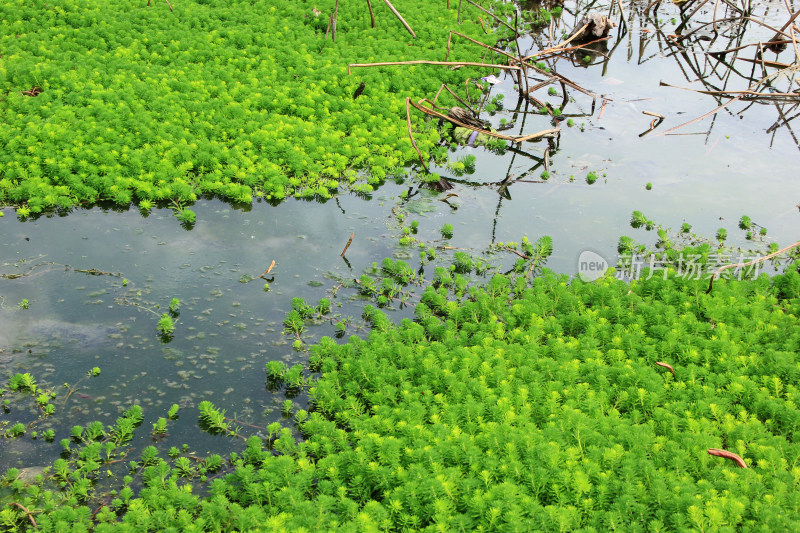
177 133
159 428
542 394
213 420
447 231
165 326
722 234
745 223
649 186
185 215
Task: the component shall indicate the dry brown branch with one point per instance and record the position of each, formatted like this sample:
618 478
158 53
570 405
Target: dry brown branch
426 62
774 64
26 511
458 98
436 114
741 94
554 51
371 14
349 242
328 29
602 109
547 159
334 20
470 39
148 5
652 114
667 366
411 136
713 111
622 14
495 17
727 455
268 270
749 263
399 16
544 133
513 251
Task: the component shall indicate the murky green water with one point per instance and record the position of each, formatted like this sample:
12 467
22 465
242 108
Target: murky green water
715 171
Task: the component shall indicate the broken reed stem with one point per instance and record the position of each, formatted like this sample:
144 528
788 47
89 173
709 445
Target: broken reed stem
749 263
622 14
268 270
547 160
513 251
24 509
728 455
495 17
411 136
148 5
602 109
335 20
426 62
652 114
794 16
458 98
668 367
543 133
746 92
349 242
371 14
399 16
436 114
470 39
328 29
739 97
555 51
764 62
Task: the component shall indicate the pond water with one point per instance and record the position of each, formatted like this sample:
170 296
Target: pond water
709 174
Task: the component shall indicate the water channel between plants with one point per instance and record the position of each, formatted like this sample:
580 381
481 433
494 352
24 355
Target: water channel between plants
708 174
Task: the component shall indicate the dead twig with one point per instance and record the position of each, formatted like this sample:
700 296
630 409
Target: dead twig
400 17
268 270
728 455
148 5
334 21
26 511
371 14
436 114
426 62
411 136
513 251
349 242
749 263
668 367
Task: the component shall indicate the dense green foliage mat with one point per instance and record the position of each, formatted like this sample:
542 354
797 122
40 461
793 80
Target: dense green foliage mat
518 405
116 101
